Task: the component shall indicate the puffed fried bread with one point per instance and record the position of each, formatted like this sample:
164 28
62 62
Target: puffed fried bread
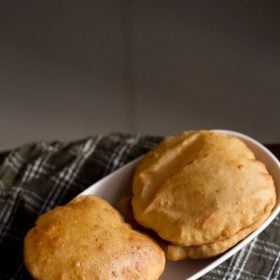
201 187
177 252
88 239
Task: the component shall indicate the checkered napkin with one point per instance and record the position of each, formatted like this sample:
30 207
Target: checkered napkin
36 177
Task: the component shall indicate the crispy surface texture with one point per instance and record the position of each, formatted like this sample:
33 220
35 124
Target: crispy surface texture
88 239
201 187
176 252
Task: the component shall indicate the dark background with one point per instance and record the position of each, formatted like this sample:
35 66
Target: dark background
69 69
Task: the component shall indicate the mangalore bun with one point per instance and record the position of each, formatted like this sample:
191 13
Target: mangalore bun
200 187
177 252
88 239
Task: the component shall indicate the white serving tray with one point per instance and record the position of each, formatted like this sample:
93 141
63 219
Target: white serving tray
114 185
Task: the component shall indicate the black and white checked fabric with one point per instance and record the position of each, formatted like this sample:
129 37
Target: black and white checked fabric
36 177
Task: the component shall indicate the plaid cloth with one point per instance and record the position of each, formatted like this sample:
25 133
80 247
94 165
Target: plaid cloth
36 177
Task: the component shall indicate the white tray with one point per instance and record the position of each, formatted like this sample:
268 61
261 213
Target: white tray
111 187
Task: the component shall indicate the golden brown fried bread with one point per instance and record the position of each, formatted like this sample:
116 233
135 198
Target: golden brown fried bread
201 187
177 252
88 239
